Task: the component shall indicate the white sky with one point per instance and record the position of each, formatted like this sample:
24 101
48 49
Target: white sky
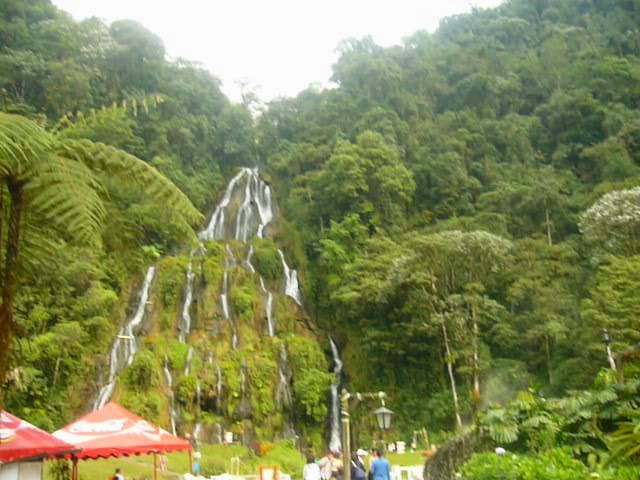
279 47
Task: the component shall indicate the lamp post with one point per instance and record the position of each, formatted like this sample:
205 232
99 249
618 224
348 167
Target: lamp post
383 416
607 341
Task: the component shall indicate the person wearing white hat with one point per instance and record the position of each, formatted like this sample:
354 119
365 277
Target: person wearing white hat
358 471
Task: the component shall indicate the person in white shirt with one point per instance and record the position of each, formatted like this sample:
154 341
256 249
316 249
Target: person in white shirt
311 470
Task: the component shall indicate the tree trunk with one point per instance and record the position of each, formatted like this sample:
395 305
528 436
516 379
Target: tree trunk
10 277
547 351
546 214
454 392
1 225
476 359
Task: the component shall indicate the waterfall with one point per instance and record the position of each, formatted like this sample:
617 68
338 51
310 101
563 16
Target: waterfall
243 380
263 202
231 258
125 346
217 428
256 192
243 409
284 397
245 212
187 364
268 308
185 327
255 209
247 262
224 296
215 229
291 280
335 443
218 387
169 379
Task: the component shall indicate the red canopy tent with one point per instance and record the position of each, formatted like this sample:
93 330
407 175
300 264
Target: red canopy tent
19 440
113 431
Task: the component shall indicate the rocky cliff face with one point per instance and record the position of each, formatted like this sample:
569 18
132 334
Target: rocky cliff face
223 343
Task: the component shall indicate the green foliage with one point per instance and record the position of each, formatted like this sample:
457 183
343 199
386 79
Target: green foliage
311 379
267 261
186 389
177 354
171 274
553 465
143 373
242 301
449 205
146 405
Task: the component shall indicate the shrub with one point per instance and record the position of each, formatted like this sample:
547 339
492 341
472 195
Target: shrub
557 464
267 261
143 373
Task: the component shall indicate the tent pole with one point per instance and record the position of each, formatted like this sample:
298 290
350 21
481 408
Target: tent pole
155 466
190 462
74 469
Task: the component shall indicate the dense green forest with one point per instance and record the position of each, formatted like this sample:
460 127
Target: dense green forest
463 210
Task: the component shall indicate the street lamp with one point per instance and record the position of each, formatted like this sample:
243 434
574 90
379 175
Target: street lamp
606 338
383 416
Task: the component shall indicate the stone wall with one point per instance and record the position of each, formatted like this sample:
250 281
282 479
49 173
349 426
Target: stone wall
444 464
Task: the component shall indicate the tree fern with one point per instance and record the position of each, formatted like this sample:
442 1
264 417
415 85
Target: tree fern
49 181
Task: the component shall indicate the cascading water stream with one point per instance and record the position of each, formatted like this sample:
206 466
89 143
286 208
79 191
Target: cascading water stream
187 363
245 212
291 280
268 308
263 202
125 346
185 326
218 387
169 379
247 262
224 297
284 397
216 229
335 443
256 196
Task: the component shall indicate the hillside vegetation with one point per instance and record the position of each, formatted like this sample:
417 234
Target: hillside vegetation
464 211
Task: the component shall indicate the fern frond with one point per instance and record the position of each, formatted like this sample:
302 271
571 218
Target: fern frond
129 168
20 141
67 193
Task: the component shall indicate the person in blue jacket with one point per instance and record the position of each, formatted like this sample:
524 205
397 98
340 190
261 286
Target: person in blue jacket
380 468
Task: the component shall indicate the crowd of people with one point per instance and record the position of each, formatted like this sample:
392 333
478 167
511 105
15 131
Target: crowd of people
332 465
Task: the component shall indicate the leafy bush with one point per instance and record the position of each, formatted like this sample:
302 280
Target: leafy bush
171 279
267 261
148 405
177 355
625 472
311 378
143 373
242 302
187 387
555 464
